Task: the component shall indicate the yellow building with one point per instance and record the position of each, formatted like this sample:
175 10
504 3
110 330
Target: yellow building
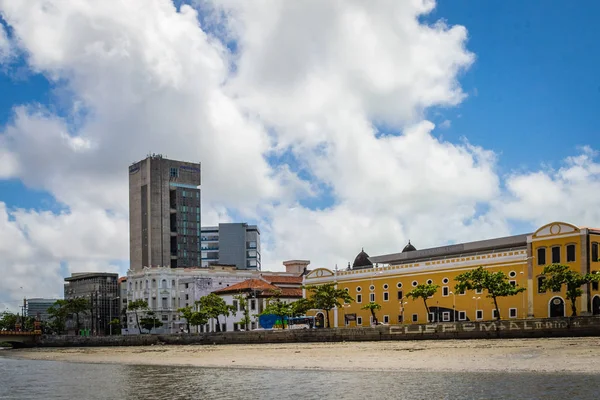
387 278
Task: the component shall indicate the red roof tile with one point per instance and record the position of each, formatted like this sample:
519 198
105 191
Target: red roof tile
283 279
248 284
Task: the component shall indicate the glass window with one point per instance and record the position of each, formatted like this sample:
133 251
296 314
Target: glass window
399 294
358 320
372 297
386 296
512 312
359 298
174 172
479 314
445 291
541 256
556 255
541 280
446 316
415 317
386 319
462 315
494 313
570 252
595 251
400 319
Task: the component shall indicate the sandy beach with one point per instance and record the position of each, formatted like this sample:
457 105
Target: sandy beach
548 355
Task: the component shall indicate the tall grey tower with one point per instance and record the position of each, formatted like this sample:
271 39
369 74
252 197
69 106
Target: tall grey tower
164 213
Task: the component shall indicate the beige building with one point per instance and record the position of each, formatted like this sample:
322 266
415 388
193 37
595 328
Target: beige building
164 213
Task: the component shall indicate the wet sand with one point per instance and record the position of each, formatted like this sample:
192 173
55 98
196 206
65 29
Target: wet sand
542 355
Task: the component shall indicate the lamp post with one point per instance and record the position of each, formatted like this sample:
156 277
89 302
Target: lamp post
402 303
476 307
523 293
110 314
453 306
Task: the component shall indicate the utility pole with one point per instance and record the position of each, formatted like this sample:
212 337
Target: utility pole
23 313
92 311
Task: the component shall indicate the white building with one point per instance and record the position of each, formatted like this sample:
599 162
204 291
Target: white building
255 293
168 289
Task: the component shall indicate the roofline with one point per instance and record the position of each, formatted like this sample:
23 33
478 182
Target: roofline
82 275
454 249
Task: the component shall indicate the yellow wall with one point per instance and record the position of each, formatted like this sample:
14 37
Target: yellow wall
515 264
460 302
541 300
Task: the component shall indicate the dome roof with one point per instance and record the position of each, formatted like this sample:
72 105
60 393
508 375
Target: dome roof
362 261
409 247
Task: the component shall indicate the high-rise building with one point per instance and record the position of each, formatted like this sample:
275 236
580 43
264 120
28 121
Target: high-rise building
100 289
164 213
231 244
38 308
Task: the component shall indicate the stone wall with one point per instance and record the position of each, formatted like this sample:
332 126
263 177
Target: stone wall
555 327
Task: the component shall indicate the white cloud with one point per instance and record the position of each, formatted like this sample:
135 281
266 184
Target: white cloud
567 194
324 82
446 124
6 48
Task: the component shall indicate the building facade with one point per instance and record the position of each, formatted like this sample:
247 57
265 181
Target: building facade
253 295
164 213
522 258
231 244
100 289
122 289
168 289
38 308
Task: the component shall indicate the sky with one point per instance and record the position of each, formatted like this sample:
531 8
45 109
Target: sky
332 125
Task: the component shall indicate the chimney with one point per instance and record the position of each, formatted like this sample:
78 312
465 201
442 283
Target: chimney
296 267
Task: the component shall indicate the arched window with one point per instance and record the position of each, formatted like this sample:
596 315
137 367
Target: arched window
146 283
136 285
173 284
153 283
164 283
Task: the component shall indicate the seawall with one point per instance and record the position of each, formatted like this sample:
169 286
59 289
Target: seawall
505 329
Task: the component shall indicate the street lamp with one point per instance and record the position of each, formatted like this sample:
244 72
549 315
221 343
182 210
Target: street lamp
402 303
476 307
453 306
110 307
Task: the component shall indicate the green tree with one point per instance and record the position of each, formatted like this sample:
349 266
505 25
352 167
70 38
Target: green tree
243 302
138 306
213 306
116 326
559 274
187 313
495 283
279 308
372 306
327 296
149 321
301 306
77 306
423 291
192 317
58 313
8 320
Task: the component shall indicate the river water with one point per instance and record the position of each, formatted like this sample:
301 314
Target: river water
25 379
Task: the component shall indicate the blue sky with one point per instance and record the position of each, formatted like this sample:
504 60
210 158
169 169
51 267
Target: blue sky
533 100
534 89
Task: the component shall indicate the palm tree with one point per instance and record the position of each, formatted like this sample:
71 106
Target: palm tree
372 306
